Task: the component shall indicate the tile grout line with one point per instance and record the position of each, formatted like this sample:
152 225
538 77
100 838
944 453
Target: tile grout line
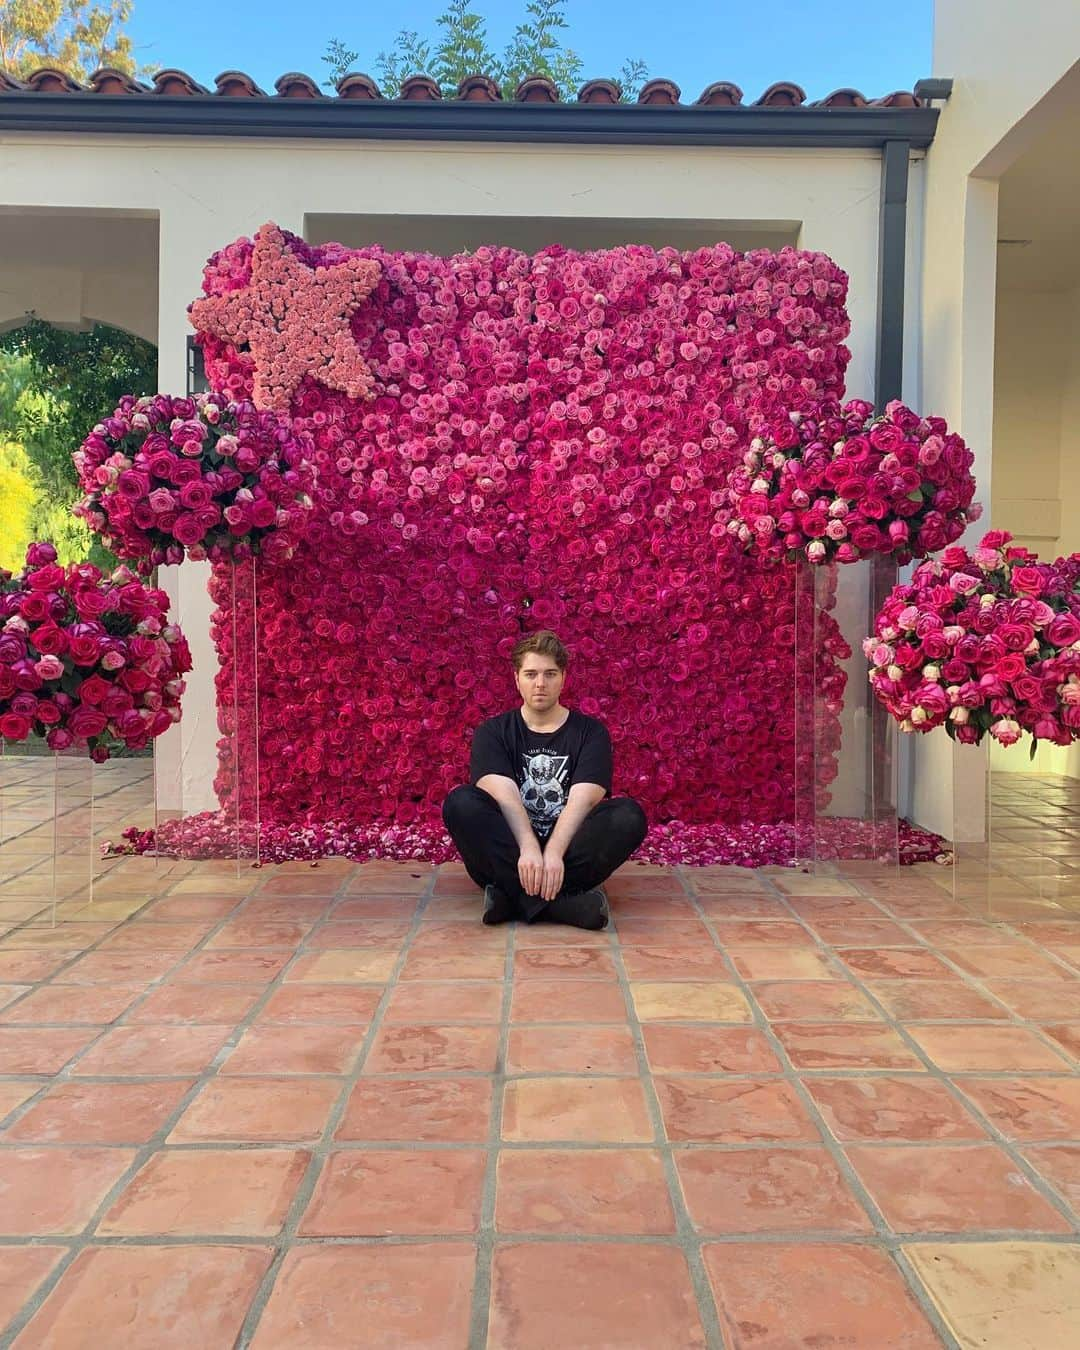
253 1013
686 1236
827 1139
319 1151
487 1236
84 1239
935 1073
156 1144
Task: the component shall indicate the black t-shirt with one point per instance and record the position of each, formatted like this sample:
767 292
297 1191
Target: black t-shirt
545 765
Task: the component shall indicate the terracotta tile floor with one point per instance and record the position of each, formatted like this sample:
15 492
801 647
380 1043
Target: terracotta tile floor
325 1107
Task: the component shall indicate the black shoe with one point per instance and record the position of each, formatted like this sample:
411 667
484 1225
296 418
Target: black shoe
498 907
587 909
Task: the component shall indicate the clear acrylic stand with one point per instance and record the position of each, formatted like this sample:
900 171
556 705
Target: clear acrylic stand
1009 859
845 738
73 831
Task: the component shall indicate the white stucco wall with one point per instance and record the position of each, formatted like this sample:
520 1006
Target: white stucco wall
1008 71
1036 476
73 268
1036 472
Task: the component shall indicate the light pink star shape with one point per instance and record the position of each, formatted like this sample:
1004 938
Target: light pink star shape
295 321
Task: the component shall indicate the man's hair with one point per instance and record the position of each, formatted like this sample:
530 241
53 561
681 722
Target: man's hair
544 643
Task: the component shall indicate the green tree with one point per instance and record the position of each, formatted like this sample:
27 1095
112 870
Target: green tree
18 493
76 380
54 386
460 48
77 36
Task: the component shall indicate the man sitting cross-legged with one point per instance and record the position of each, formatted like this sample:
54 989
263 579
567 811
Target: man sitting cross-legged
538 828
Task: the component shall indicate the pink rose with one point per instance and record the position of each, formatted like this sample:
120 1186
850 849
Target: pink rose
1006 731
49 667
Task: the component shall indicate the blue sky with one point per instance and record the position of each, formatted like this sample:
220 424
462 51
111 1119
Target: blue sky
874 45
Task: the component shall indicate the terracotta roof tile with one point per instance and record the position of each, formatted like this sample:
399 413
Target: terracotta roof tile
171 81
901 99
781 95
422 88
108 80
841 98
479 89
721 95
235 84
295 85
355 85
48 80
537 89
662 92
599 91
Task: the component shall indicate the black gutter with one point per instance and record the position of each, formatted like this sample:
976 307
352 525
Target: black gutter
455 120
892 257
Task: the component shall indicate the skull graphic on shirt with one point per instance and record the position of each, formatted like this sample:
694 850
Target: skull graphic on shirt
543 790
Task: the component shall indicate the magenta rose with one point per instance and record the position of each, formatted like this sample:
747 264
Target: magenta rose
194 495
87 722
115 701
40 554
263 513
46 578
189 529
84 649
1027 580
1064 630
49 639
93 689
34 608
14 726
133 484
90 602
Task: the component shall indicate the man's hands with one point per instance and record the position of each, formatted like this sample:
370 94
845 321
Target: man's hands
541 873
531 868
552 880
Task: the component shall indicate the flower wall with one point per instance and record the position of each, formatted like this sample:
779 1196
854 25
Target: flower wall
547 446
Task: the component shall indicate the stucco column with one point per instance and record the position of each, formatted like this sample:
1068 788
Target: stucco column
186 755
959 286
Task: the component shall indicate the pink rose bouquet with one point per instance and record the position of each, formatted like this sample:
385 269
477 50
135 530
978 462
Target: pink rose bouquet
841 484
983 642
86 660
207 477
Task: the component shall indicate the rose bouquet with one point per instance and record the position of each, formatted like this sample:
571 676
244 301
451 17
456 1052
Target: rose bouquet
842 483
986 642
215 479
86 660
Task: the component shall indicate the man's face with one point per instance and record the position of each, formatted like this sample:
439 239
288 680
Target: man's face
539 682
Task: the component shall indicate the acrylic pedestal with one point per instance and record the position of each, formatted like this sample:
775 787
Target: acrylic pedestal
47 845
845 740
1016 846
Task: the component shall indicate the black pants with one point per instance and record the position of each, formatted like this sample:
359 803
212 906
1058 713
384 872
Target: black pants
607 836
